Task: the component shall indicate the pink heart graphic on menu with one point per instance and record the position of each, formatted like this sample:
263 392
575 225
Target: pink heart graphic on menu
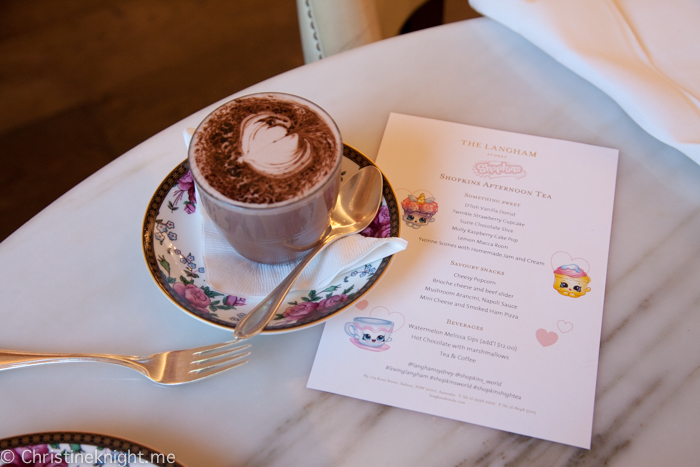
546 338
383 313
362 304
565 326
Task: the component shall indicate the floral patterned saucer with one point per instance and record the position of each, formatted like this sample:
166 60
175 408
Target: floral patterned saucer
171 240
79 449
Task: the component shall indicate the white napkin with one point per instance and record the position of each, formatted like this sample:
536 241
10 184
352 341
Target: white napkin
230 273
645 54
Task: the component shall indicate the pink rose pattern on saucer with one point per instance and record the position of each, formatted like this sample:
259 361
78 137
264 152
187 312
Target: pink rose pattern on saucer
314 306
380 226
185 185
171 242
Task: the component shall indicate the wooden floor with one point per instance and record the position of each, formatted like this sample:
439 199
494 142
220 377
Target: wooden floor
83 81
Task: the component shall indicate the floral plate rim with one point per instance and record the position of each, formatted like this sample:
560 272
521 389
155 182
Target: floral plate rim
113 443
158 199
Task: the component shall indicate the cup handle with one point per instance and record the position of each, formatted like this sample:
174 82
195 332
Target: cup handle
348 327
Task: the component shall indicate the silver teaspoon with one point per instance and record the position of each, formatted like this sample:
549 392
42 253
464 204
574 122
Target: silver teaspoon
358 202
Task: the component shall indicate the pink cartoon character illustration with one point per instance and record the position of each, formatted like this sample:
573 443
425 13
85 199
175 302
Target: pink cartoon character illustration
418 212
571 278
370 333
373 332
572 281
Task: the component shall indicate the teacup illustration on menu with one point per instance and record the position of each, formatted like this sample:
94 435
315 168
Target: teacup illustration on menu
419 211
372 333
570 278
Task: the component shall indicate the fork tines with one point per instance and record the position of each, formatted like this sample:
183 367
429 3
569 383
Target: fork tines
218 358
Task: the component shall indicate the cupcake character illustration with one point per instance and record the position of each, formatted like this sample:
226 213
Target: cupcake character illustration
418 212
571 281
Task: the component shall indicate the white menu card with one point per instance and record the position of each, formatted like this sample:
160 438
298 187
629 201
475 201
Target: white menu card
492 315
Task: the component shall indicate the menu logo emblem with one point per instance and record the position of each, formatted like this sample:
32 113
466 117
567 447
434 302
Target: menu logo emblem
489 169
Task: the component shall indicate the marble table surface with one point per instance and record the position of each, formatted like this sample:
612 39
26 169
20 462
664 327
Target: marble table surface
75 281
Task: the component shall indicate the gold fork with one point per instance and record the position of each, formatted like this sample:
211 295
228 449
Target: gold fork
174 367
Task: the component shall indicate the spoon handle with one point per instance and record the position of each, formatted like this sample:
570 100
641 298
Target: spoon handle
256 320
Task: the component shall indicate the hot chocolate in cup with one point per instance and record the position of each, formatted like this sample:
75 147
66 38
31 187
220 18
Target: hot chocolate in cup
267 170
